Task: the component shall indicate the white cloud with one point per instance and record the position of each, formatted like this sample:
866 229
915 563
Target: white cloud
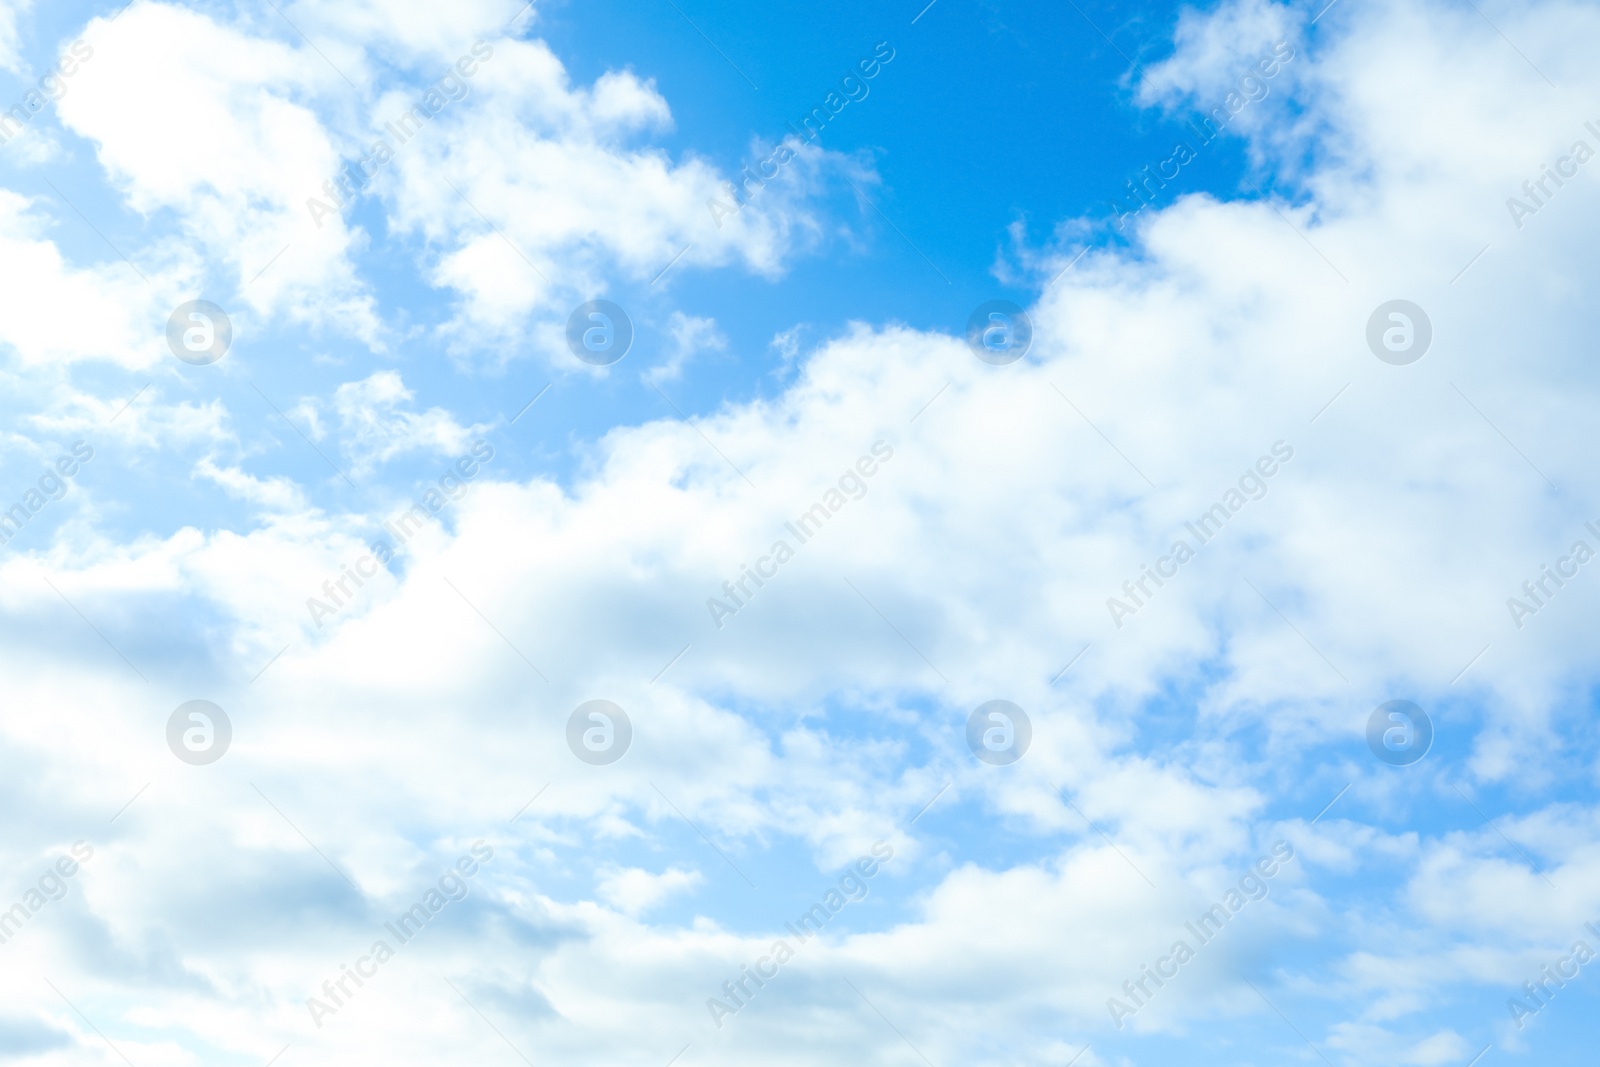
609 206
278 122
10 37
53 313
691 336
279 494
236 163
1214 49
375 428
633 890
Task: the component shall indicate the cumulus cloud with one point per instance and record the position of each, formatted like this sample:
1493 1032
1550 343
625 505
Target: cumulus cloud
11 11
235 165
611 205
264 199
374 426
632 890
55 312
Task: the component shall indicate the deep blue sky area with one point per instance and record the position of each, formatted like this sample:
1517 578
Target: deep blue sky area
987 116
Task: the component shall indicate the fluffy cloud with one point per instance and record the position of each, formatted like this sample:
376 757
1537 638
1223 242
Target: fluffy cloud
632 890
10 38
374 429
610 204
251 168
56 313
235 164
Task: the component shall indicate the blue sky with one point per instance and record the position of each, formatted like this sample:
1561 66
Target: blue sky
983 530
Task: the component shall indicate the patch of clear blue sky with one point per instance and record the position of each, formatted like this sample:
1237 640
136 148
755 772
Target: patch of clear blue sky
989 114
